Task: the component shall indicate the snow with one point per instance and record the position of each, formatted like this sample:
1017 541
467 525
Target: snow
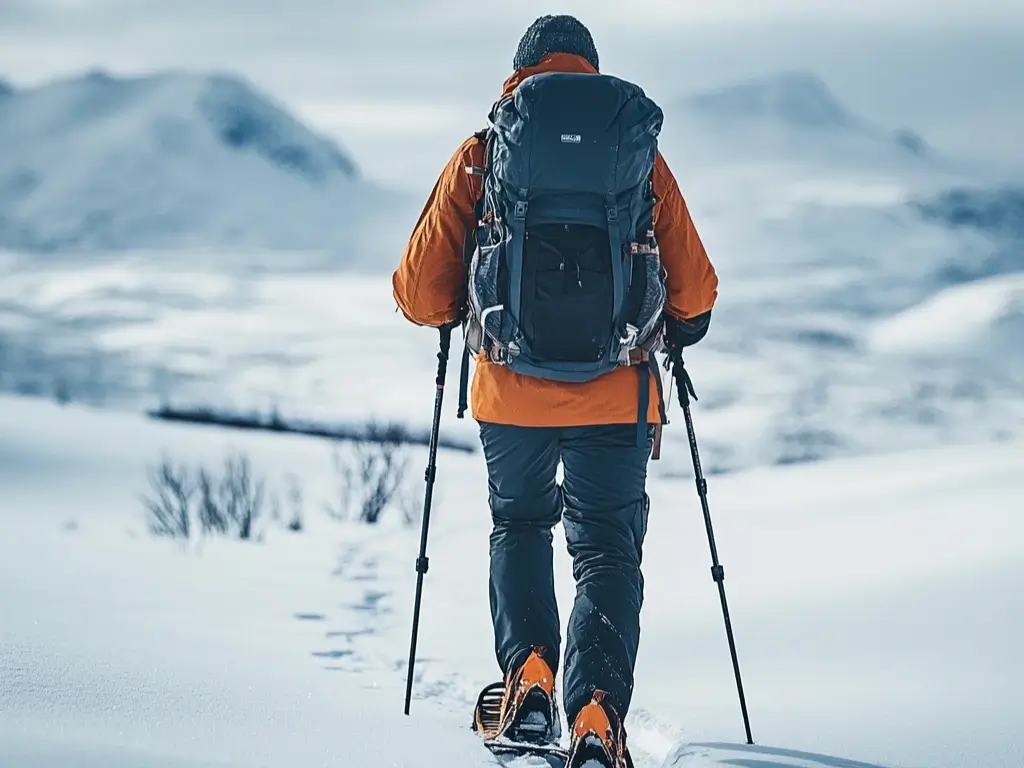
826 260
178 237
835 248
178 159
878 621
978 318
118 649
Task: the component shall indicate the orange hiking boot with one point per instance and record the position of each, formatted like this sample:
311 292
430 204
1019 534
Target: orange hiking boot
598 738
522 709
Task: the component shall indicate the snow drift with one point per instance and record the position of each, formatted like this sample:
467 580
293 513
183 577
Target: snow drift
175 159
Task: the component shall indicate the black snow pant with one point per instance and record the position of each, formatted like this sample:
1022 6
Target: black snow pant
603 505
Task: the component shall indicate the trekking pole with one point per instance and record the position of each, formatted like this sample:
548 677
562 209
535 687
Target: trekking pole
685 388
421 561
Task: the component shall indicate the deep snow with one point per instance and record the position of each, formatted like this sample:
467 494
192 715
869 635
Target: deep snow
876 604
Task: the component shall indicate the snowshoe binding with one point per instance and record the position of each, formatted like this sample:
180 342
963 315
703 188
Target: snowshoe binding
598 739
521 710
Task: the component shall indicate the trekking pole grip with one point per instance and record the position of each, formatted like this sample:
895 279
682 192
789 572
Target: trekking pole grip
684 384
443 353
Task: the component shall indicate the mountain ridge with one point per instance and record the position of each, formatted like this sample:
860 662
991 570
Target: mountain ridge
792 110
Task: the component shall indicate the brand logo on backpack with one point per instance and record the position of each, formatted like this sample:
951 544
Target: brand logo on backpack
571 138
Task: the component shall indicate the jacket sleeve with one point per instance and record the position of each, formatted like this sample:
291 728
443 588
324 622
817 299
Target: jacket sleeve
691 280
428 283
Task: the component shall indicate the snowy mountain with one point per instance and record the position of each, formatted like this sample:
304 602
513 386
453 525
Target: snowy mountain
998 211
796 99
791 112
175 159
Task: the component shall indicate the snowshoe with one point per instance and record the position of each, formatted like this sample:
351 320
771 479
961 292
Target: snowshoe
598 738
522 709
553 754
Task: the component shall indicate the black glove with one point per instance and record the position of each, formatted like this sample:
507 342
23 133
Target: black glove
685 333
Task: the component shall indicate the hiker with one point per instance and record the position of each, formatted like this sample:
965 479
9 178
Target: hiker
537 393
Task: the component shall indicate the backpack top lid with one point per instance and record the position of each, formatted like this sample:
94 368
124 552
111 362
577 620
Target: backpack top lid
567 131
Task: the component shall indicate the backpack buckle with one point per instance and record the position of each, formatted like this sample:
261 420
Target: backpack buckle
632 333
520 209
500 354
635 249
613 212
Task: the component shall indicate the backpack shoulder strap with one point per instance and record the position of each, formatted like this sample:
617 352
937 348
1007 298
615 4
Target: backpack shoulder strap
484 136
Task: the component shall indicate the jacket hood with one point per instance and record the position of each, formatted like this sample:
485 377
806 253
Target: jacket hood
554 62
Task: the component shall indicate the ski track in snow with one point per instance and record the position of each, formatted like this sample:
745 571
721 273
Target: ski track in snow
367 613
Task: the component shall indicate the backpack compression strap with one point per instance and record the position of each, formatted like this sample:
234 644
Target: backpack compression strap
643 372
646 364
611 206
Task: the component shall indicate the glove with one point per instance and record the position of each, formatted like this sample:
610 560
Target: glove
684 333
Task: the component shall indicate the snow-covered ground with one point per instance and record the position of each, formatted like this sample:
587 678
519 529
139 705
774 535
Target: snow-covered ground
876 603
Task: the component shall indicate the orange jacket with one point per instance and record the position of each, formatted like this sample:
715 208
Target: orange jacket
429 281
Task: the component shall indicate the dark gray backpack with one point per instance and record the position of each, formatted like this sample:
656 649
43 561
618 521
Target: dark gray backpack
564 278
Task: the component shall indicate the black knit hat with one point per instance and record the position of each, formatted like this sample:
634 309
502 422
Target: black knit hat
555 34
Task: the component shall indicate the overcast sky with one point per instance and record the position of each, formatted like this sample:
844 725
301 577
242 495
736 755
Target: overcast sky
424 71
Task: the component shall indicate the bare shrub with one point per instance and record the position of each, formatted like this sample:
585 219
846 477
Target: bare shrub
211 516
371 470
184 501
295 524
242 496
61 391
411 504
344 469
168 508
